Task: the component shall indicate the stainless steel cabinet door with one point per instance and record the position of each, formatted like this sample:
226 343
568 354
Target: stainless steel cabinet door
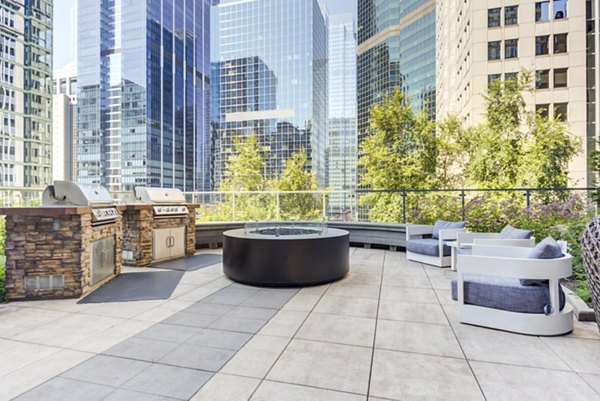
178 242
161 243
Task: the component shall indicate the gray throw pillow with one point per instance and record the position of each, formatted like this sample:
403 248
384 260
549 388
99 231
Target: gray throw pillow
443 225
548 248
509 232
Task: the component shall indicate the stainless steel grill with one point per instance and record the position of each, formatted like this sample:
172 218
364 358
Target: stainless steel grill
168 202
67 193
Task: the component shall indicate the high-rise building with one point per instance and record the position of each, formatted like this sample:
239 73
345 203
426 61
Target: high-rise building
479 42
342 113
271 70
25 94
64 123
144 85
396 48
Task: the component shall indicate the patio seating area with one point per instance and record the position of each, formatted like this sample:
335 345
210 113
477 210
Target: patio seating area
389 330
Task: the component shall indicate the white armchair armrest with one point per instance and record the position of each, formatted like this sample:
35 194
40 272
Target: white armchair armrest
414 231
450 233
469 238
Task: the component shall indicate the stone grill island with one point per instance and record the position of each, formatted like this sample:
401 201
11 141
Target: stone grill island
285 254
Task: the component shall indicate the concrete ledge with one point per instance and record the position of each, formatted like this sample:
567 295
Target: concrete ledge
582 312
210 235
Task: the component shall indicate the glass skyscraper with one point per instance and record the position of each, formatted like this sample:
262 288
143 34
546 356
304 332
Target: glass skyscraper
270 79
396 48
342 112
143 105
25 95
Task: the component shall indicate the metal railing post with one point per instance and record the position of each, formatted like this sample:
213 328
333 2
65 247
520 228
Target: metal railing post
324 215
403 206
233 207
528 197
277 211
351 205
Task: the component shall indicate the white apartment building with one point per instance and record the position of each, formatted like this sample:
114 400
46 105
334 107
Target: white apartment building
479 41
64 123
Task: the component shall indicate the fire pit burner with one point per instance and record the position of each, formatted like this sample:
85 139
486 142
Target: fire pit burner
285 254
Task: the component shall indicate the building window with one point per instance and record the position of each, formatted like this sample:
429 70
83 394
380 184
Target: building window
511 48
511 75
542 110
560 43
493 78
494 50
542 79
560 111
559 7
541 45
493 17
560 78
542 11
511 15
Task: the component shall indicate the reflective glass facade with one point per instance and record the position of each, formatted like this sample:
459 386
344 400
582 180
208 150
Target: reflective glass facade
342 112
396 49
270 79
25 94
144 81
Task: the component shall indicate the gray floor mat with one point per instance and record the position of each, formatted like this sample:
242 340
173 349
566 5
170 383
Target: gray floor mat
142 286
190 263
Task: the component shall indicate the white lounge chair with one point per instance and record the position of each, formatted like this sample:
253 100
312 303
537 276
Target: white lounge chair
435 250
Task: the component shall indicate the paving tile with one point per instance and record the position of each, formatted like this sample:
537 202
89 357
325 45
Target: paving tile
169 332
360 279
303 301
224 387
592 380
338 329
407 282
422 338
164 311
128 395
416 377
509 383
206 308
125 310
251 313
143 349
15 354
61 389
169 381
198 357
354 290
112 336
284 324
359 267
184 318
400 294
197 293
256 357
269 390
346 306
29 376
394 272
106 370
269 299
220 339
580 354
231 296
240 324
445 297
16 320
489 345
412 312
325 365
587 330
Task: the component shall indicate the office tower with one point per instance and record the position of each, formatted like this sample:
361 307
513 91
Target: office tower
64 123
144 84
271 70
25 95
396 48
342 113
480 42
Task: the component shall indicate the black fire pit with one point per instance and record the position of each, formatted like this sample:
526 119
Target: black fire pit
285 256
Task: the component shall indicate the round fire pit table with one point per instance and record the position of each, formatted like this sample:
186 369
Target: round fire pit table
279 256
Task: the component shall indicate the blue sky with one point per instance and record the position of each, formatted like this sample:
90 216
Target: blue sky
65 26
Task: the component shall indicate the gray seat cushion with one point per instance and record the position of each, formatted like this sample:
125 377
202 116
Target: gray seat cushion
548 248
426 246
506 294
509 232
442 225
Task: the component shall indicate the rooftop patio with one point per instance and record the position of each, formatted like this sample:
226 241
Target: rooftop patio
387 331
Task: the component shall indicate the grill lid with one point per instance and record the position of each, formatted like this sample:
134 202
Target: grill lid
160 196
67 193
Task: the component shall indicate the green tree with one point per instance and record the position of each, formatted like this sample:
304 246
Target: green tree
296 177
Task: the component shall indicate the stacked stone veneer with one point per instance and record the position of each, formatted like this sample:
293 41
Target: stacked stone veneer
138 223
54 242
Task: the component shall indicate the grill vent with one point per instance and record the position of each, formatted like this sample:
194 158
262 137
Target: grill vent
44 282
